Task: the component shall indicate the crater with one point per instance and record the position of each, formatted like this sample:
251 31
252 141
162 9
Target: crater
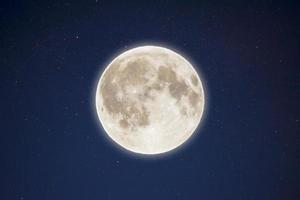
143 117
178 88
166 74
183 110
133 73
194 98
124 123
194 80
156 86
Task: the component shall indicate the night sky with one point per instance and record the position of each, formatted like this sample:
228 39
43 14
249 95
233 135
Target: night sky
53 148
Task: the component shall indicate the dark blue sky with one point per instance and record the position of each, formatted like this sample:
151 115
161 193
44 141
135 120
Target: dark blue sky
53 148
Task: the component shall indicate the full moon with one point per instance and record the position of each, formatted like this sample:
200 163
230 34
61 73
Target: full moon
149 100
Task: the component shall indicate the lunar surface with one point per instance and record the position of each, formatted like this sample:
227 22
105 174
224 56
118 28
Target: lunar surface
149 100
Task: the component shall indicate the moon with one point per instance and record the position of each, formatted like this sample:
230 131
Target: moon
149 100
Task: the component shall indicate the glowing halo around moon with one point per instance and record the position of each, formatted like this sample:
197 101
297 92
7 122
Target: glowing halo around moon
149 100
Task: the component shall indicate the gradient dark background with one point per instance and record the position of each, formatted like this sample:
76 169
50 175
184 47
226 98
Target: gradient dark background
52 147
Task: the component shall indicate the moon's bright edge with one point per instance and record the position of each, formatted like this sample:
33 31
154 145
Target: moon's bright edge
149 100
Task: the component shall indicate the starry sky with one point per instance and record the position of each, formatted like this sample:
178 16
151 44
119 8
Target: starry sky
52 146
